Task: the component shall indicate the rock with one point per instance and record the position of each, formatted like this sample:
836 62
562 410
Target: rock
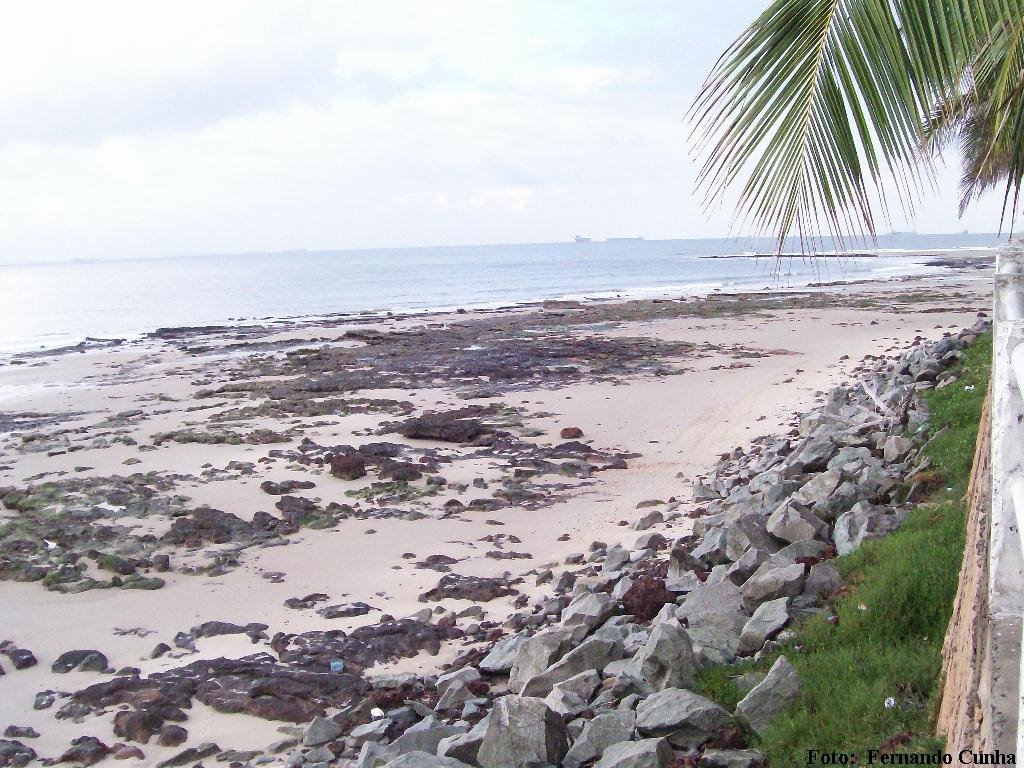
207 526
667 659
776 693
522 732
570 697
617 557
571 433
21 658
896 448
724 597
424 760
681 566
598 734
321 731
286 486
716 636
190 755
426 735
172 735
463 675
815 492
122 751
864 521
731 758
688 720
445 426
219 628
746 533
595 653
538 653
455 694
502 654
713 548
646 753
87 750
14 753
20 732
475 588
82 661
650 519
822 580
587 612
745 567
767 621
812 455
348 466
790 523
773 583
464 746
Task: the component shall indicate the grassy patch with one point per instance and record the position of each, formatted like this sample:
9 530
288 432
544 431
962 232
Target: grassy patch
893 617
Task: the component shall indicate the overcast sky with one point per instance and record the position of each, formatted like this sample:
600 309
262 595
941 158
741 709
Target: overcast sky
137 129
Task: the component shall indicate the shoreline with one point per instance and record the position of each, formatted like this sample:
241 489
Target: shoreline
659 390
937 261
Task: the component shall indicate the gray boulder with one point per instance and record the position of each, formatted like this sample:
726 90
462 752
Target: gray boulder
667 659
731 758
651 518
424 760
594 653
864 521
681 568
464 746
812 455
772 696
617 557
598 734
587 612
538 653
896 448
791 523
744 533
822 580
787 581
713 548
767 621
815 493
711 598
425 735
746 565
522 732
688 720
321 731
503 654
646 753
572 696
716 636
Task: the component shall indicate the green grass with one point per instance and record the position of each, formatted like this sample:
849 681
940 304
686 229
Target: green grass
893 617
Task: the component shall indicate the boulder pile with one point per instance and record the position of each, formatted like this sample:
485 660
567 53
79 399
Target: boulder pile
602 668
601 672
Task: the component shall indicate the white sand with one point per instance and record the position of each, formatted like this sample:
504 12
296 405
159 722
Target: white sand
680 424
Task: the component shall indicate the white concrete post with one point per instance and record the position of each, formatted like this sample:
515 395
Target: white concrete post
1004 718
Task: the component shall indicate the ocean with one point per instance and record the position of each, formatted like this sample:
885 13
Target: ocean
55 304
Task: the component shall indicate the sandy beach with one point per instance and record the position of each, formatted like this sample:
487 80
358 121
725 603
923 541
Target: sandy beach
553 426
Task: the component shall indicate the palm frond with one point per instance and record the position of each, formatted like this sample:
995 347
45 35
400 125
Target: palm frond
819 99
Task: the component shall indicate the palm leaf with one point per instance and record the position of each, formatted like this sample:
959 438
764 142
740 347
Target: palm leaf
819 99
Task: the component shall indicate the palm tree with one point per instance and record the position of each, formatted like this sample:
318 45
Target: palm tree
818 101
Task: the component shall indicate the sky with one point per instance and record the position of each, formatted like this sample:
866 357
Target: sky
147 129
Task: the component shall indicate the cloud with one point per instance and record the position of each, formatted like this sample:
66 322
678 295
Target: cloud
139 129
